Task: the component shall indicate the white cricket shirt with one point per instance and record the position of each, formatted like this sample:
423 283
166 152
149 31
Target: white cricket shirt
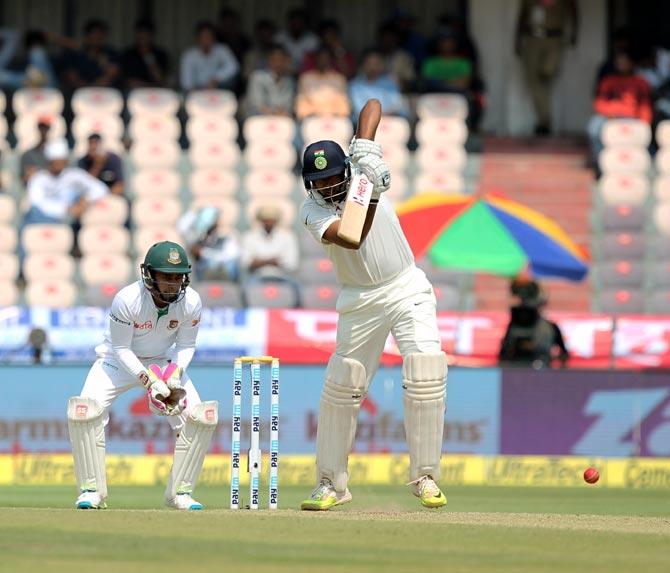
383 255
55 194
138 330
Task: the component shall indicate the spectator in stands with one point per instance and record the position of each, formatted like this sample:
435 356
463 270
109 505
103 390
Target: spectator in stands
374 82
531 339
35 70
330 38
622 41
61 194
411 41
95 64
230 32
397 62
264 40
33 159
272 91
216 255
622 94
322 91
208 65
144 64
450 72
447 71
297 38
103 164
541 33
270 252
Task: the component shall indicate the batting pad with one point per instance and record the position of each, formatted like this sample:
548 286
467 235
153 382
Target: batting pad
191 447
424 383
87 436
343 392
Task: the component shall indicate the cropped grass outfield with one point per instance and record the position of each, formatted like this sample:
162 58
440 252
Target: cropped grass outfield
482 529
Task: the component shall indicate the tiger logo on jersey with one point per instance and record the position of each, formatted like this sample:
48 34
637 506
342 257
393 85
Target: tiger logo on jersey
173 324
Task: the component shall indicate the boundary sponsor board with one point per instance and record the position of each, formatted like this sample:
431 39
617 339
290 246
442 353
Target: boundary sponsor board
587 413
369 469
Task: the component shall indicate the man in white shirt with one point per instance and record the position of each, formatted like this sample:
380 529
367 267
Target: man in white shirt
382 292
269 251
297 38
208 65
149 342
60 194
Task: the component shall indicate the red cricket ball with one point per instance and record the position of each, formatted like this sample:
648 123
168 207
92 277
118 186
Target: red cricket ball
591 475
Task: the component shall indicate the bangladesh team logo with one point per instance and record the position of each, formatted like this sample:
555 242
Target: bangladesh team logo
173 257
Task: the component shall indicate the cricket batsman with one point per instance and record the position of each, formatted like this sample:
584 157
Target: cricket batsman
382 291
149 343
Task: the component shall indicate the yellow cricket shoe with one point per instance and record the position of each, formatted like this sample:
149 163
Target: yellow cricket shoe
324 497
428 492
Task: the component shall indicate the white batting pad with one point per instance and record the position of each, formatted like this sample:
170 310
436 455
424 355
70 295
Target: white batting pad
343 392
87 436
424 382
191 447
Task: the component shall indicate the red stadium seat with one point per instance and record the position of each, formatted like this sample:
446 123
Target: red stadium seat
156 182
618 132
629 246
270 294
110 210
620 273
320 296
104 239
620 301
211 102
269 128
220 294
47 238
212 127
104 268
214 181
101 294
51 293
97 101
316 270
52 266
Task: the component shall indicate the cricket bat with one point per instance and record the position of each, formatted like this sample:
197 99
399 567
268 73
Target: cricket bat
358 198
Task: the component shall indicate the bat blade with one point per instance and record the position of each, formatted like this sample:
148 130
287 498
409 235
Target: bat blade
355 209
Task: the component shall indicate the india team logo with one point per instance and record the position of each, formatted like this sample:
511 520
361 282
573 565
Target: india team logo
320 161
173 257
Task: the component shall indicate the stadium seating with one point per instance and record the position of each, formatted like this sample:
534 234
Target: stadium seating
615 246
153 101
37 102
51 293
211 128
7 209
47 239
9 263
103 239
212 181
220 294
442 105
316 270
319 296
624 188
111 210
39 266
105 268
155 182
269 128
8 239
270 294
211 102
269 182
620 301
9 294
97 101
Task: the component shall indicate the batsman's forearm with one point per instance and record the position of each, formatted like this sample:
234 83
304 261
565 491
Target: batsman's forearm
369 218
129 361
369 119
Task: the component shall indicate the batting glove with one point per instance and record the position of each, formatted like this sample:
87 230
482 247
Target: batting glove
361 147
376 171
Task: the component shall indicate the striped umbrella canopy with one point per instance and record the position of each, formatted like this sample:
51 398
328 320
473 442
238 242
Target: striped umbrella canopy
489 233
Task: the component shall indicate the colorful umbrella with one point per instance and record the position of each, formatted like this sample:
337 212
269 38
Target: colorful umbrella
489 234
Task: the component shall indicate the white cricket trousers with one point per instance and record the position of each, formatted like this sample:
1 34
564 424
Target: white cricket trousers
405 307
107 379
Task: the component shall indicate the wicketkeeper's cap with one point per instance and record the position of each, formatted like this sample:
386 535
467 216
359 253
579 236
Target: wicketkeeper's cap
323 159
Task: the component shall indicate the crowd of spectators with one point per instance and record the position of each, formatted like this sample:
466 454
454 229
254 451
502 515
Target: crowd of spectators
299 70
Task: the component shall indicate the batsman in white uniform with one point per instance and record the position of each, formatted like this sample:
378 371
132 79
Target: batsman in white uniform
382 292
149 343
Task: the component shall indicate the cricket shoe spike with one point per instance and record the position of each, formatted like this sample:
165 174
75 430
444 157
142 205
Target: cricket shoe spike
184 501
90 500
428 492
324 497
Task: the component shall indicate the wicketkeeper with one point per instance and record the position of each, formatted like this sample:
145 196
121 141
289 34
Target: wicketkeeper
382 292
149 343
